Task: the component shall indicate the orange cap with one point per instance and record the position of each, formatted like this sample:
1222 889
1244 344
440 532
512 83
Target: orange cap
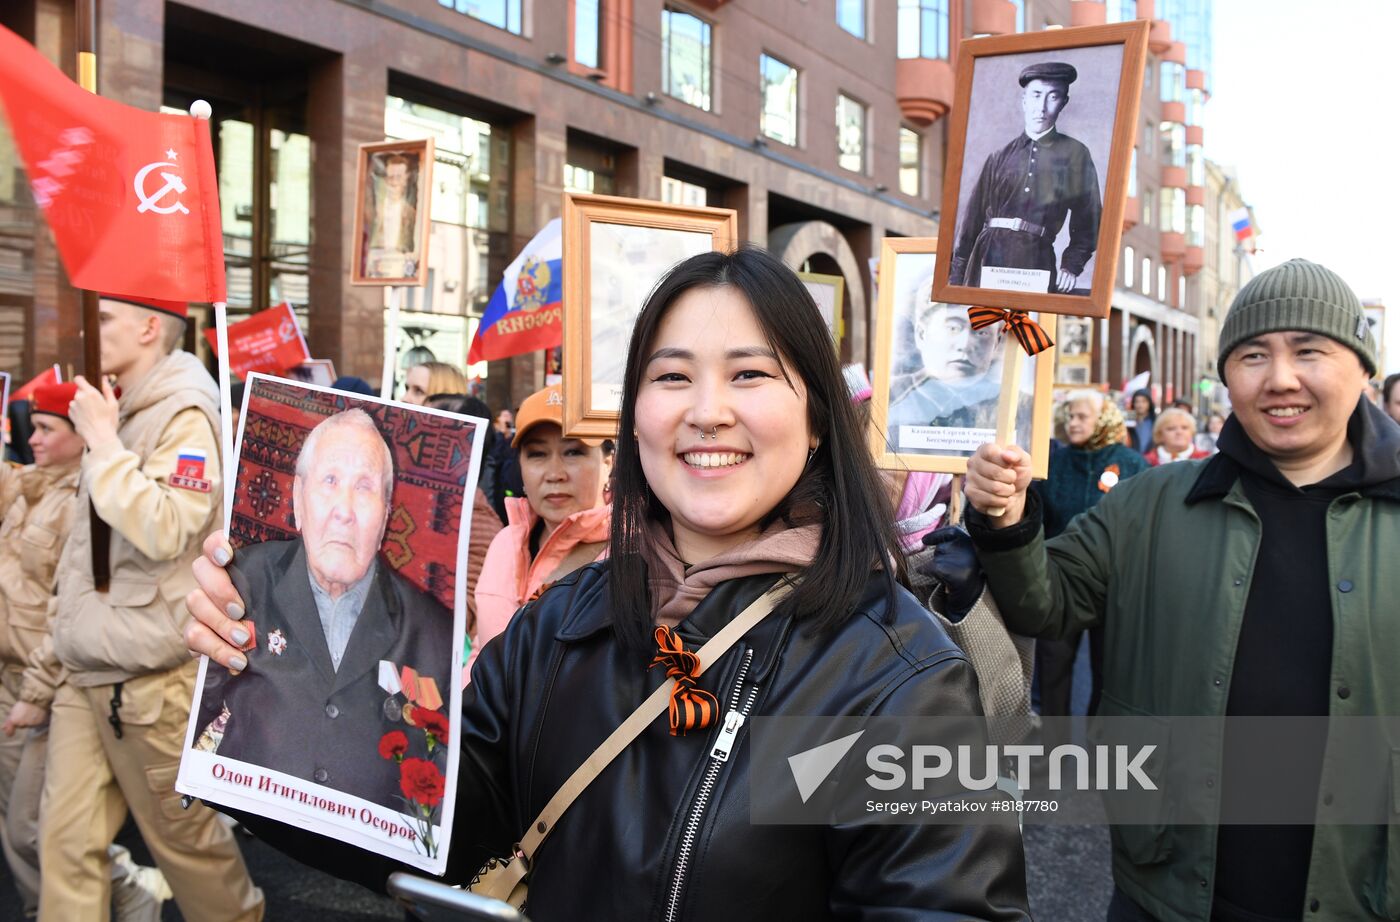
54 398
546 406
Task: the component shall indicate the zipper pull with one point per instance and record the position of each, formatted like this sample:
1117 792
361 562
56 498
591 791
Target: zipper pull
727 734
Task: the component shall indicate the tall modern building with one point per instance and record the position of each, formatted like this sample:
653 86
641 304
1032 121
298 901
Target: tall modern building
822 122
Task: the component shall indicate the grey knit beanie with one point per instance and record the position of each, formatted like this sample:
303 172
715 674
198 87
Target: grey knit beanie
1298 295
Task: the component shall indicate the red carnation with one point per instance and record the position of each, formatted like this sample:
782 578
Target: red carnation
393 745
421 782
431 722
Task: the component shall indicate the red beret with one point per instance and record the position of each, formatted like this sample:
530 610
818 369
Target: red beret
54 399
174 308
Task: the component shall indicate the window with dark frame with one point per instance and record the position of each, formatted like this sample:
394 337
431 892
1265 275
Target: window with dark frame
922 29
778 82
685 57
503 14
850 133
588 33
910 161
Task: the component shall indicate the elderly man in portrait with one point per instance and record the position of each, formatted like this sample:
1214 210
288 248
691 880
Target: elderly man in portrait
1006 235
393 234
331 629
960 381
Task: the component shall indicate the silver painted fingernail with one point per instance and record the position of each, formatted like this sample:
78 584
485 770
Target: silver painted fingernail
235 611
240 636
237 664
222 556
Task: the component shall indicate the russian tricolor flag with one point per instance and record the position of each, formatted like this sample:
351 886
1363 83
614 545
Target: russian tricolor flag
1240 222
526 312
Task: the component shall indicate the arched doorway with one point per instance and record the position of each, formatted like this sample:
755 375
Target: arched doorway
820 247
1144 353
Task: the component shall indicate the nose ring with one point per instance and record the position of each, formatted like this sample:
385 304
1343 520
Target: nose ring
714 434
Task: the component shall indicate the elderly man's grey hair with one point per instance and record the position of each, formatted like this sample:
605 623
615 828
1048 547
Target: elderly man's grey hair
357 419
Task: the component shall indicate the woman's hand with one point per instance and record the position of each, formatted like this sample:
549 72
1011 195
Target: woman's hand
216 608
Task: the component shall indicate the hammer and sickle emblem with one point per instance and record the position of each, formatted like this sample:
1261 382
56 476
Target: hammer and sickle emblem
173 183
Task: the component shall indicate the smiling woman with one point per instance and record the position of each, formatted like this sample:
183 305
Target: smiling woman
740 468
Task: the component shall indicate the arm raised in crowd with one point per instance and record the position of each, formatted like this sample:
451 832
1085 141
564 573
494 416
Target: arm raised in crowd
1043 590
138 500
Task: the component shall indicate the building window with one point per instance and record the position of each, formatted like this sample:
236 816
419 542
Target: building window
850 15
1128 267
1181 291
679 192
1020 14
1148 196
1173 84
1146 276
1195 165
909 161
1120 10
1132 175
1173 211
850 134
1173 135
503 14
1195 107
685 58
469 242
923 29
1161 283
1196 226
779 117
588 32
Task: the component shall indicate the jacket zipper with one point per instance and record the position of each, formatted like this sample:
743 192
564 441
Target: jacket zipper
729 731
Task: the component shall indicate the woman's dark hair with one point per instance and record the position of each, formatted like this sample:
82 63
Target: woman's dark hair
1389 387
840 487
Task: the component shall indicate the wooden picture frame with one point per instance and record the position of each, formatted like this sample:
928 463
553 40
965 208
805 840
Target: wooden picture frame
1021 250
374 260
970 389
616 250
818 285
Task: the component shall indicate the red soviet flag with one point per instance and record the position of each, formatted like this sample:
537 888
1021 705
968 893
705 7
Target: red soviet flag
269 341
130 195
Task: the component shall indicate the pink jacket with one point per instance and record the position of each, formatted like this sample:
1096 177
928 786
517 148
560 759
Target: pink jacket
508 576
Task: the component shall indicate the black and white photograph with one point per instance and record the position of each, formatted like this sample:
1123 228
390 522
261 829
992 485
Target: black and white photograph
939 383
1073 336
1032 208
348 532
391 213
829 291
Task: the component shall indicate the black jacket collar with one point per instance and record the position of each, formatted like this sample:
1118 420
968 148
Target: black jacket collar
1374 438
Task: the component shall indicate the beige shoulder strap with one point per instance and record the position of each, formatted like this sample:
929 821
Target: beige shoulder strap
632 727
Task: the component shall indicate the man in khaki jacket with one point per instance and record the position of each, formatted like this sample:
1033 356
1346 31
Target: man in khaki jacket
36 509
117 724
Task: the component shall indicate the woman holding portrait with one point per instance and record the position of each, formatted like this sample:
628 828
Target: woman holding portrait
739 464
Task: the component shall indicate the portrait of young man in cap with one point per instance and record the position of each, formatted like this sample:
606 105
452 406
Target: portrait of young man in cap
1025 193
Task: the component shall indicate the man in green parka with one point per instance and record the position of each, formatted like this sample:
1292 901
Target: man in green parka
1262 582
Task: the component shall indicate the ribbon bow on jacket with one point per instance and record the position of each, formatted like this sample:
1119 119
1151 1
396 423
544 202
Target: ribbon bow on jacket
690 708
1028 333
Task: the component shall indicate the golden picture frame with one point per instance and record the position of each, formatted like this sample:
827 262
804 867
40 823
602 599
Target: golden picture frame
829 292
1015 247
615 251
393 205
943 414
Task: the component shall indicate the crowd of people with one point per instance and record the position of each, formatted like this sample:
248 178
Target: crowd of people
1227 567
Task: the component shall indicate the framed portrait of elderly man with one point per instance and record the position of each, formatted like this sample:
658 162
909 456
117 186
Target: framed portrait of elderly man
615 251
942 388
350 543
393 198
1040 145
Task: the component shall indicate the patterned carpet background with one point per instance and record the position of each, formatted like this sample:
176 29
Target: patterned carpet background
432 458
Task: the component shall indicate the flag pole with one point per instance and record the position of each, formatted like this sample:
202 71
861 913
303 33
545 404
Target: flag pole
391 344
100 532
201 109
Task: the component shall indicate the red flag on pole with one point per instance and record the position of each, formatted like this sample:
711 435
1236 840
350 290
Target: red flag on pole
269 341
130 195
50 375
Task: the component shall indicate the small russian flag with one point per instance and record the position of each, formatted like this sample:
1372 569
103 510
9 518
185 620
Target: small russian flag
1241 223
190 463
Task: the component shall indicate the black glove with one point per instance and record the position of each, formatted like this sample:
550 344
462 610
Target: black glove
955 565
